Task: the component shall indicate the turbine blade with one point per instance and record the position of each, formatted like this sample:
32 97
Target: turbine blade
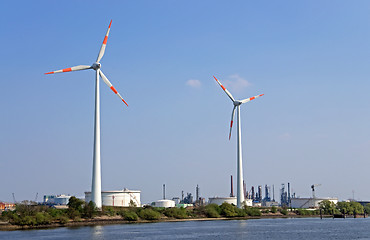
76 68
231 123
105 79
227 92
102 49
251 98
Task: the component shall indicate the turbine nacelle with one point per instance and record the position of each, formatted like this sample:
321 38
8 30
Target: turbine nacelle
237 103
96 66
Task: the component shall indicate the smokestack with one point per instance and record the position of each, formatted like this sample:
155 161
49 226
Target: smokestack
252 193
288 194
273 192
164 191
232 188
197 193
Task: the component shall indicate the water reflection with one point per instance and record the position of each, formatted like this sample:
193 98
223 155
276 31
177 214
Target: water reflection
97 233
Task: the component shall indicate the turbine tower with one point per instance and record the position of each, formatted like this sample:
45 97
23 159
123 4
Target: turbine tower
237 103
96 174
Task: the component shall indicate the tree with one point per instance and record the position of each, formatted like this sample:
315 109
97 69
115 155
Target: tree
74 207
357 207
345 207
90 210
367 208
327 207
75 204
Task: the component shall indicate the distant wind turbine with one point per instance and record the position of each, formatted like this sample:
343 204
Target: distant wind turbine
237 103
96 176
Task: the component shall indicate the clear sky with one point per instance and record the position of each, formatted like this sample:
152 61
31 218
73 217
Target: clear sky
310 59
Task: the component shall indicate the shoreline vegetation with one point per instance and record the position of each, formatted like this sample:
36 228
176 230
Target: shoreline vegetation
30 216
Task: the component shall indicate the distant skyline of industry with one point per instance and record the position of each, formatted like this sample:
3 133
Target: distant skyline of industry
310 59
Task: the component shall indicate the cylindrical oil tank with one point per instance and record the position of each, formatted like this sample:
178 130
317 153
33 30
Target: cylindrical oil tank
164 203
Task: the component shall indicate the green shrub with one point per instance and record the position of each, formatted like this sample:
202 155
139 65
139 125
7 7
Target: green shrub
252 211
26 221
149 214
274 209
63 219
228 210
240 212
89 210
283 211
179 213
212 211
110 211
129 216
42 218
56 213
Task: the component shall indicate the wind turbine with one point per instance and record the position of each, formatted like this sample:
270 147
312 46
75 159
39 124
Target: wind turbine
96 175
237 103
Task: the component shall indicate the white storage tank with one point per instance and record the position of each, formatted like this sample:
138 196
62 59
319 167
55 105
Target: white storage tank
309 202
119 198
221 200
230 200
164 203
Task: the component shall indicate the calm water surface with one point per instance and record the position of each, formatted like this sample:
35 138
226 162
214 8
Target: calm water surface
305 228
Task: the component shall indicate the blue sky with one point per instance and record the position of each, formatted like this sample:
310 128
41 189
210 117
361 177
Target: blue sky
309 58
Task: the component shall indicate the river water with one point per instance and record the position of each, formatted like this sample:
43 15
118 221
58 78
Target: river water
298 228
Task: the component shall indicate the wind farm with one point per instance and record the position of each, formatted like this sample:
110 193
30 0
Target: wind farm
71 151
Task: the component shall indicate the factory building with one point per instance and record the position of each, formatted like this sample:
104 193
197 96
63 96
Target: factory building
56 199
309 202
120 198
6 206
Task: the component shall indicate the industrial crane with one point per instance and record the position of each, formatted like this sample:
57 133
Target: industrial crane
313 189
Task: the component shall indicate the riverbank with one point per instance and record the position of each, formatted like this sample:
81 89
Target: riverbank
104 220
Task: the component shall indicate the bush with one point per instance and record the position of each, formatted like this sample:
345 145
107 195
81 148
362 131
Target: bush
179 213
25 221
63 220
240 212
228 210
89 210
149 214
110 211
283 211
252 211
212 211
56 213
274 209
42 218
129 215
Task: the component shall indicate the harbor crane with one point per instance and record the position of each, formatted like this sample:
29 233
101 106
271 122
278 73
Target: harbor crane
313 189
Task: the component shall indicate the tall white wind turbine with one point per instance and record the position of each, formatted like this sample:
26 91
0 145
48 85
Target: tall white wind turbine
237 103
96 174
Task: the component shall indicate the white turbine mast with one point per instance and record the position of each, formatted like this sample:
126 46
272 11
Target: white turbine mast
96 174
237 103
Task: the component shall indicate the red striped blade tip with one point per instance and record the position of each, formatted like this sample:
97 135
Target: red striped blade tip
49 73
110 23
124 102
